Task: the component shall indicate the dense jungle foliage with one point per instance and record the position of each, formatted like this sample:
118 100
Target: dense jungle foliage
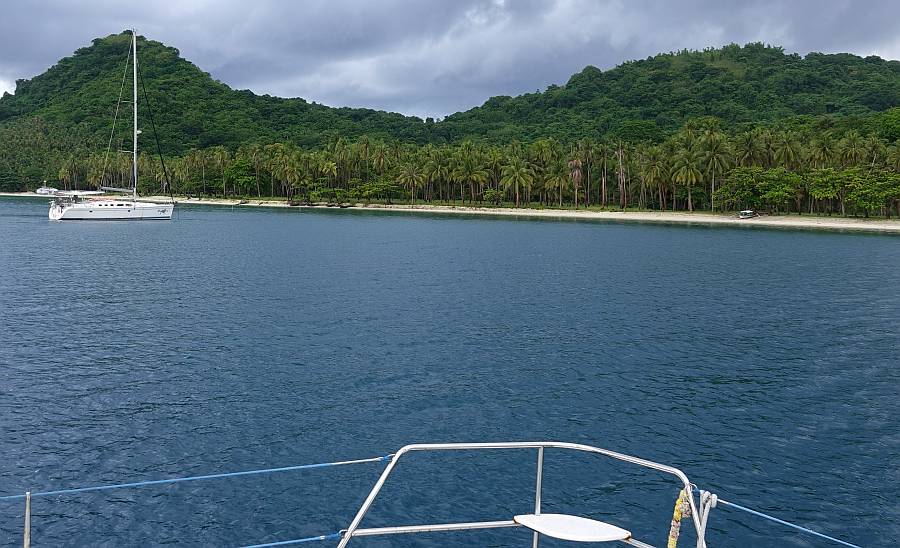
730 128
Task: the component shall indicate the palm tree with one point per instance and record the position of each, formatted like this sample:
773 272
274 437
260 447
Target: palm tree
411 177
494 164
787 150
852 149
556 178
516 174
893 157
767 147
653 172
220 159
874 148
715 159
586 152
822 150
255 155
603 152
686 170
467 169
437 169
380 158
747 149
197 159
620 176
327 169
271 155
576 175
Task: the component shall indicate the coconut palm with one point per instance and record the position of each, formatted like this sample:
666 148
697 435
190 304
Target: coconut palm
822 150
852 149
575 175
220 158
874 149
715 160
602 155
556 180
653 171
410 176
686 170
517 174
787 150
893 157
586 152
255 155
747 149
467 169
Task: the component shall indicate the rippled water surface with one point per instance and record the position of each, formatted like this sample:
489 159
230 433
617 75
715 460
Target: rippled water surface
763 363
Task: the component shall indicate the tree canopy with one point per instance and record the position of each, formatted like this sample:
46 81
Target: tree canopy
735 127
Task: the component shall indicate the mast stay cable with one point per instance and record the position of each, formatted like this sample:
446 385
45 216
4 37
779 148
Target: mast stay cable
115 118
162 161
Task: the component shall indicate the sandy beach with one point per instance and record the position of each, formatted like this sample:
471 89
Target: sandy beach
810 222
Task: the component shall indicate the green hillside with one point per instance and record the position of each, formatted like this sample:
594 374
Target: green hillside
647 99
651 98
740 126
192 109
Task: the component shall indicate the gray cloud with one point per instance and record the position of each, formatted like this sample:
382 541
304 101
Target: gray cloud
431 58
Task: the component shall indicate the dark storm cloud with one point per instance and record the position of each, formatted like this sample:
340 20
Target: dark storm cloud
431 58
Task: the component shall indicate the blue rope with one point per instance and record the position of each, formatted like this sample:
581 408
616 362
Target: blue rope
782 522
195 478
332 536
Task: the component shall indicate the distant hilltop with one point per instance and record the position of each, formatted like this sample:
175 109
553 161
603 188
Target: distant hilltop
644 100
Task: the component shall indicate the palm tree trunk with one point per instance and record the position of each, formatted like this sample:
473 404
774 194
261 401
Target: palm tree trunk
603 184
587 187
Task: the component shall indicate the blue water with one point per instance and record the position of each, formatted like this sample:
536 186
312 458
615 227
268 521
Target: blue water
763 363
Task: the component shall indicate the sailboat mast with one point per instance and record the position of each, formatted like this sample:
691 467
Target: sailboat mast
134 161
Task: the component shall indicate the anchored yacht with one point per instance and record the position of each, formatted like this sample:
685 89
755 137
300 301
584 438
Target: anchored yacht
82 205
85 205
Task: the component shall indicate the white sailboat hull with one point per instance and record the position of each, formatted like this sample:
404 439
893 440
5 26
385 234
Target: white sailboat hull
111 210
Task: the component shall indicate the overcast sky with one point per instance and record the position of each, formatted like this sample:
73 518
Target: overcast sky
430 58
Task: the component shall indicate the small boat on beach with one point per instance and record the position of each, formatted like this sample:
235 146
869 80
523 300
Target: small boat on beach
747 214
83 205
46 191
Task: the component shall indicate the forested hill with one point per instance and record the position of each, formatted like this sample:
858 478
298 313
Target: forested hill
191 109
643 100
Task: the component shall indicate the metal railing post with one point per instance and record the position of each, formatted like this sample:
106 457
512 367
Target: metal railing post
26 540
537 492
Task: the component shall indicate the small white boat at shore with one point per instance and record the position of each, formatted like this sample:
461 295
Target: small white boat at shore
46 191
747 214
84 206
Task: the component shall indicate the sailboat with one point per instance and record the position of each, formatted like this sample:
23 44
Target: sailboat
87 205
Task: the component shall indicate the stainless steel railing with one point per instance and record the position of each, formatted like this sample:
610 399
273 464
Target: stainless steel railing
353 530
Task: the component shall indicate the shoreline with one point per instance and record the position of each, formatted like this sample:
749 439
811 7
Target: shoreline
840 224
